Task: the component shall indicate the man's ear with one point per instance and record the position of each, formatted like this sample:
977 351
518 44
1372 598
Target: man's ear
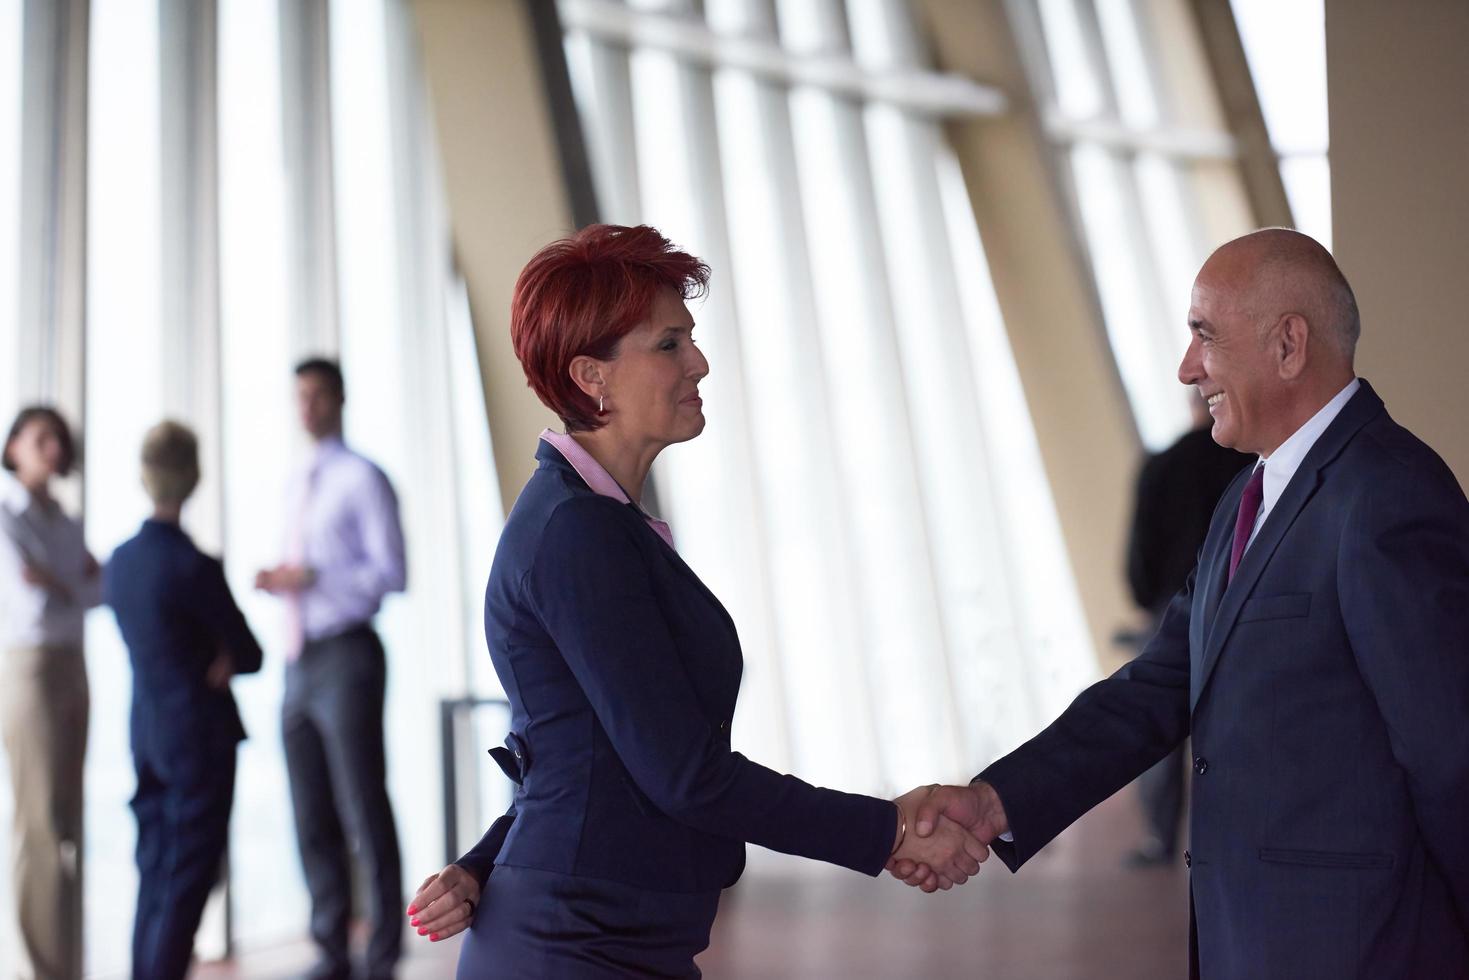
586 373
1292 344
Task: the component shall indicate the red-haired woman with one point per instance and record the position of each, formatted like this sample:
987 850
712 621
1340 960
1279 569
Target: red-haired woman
621 668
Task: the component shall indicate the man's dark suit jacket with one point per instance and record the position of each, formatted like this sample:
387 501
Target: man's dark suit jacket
622 671
1327 691
176 614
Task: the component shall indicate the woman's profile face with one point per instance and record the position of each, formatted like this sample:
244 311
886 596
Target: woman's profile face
36 452
652 385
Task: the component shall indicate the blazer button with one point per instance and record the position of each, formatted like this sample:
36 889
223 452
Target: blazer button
1188 860
1201 765
723 726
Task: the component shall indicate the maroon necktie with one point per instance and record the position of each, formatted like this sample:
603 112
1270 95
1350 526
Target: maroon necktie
1249 509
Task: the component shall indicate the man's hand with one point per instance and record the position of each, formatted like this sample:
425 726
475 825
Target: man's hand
41 577
948 853
283 579
445 904
976 808
221 669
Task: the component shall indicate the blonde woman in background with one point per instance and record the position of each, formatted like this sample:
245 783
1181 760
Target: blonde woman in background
186 639
48 580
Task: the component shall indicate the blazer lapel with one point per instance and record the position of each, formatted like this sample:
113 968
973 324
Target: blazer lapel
1362 407
1212 578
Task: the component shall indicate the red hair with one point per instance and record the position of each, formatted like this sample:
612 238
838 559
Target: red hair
581 295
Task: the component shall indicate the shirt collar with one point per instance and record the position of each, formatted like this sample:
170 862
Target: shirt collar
1282 464
599 480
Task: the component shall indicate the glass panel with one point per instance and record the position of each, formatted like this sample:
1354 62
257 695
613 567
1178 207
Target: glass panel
1057 648
258 430
1131 73
1119 258
376 277
806 539
1079 92
1175 249
1308 185
1285 45
124 381
10 84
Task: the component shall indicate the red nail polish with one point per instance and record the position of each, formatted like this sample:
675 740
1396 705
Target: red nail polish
413 922
423 932
434 938
413 910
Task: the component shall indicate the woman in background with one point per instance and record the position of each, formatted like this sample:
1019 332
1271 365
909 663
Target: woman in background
621 667
186 639
48 581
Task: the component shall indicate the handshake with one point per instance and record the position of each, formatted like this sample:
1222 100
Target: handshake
945 833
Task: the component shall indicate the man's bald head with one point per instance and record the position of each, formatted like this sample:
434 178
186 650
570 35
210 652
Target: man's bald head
1276 271
1274 328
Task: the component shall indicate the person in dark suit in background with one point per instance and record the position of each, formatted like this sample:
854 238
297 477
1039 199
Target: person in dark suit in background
621 667
186 638
1318 654
1177 491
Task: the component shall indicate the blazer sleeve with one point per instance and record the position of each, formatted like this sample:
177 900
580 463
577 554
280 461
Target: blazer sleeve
591 587
222 619
1114 731
1403 581
479 860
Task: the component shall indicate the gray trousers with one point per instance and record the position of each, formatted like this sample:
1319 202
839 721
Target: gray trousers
332 724
44 706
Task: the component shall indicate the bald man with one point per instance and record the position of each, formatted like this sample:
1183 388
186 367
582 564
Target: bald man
1319 655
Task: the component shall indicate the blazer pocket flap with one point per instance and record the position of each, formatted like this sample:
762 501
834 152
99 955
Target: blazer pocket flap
1275 607
513 759
1325 859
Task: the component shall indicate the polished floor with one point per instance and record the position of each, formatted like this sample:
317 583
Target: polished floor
1074 912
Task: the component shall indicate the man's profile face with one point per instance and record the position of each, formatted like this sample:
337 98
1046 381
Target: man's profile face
318 405
1229 361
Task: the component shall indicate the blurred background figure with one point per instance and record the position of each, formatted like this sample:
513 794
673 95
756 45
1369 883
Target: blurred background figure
48 580
186 638
1176 493
344 554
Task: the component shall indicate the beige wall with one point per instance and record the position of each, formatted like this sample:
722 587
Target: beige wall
505 190
1399 104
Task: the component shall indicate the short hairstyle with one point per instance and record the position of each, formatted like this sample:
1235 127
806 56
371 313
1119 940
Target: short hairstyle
52 417
580 296
170 463
324 367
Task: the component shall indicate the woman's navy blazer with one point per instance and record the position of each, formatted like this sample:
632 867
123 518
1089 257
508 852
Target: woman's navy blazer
622 672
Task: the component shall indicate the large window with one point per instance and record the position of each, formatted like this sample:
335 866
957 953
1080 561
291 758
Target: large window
867 498
1141 150
401 327
10 122
1286 47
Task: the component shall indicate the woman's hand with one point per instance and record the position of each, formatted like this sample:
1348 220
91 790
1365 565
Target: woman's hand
445 903
950 851
42 578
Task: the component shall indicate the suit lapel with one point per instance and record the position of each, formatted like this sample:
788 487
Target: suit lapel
1221 616
1212 578
683 569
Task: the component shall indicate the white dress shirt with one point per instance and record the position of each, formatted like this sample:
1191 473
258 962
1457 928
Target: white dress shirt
1282 464
344 518
41 535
